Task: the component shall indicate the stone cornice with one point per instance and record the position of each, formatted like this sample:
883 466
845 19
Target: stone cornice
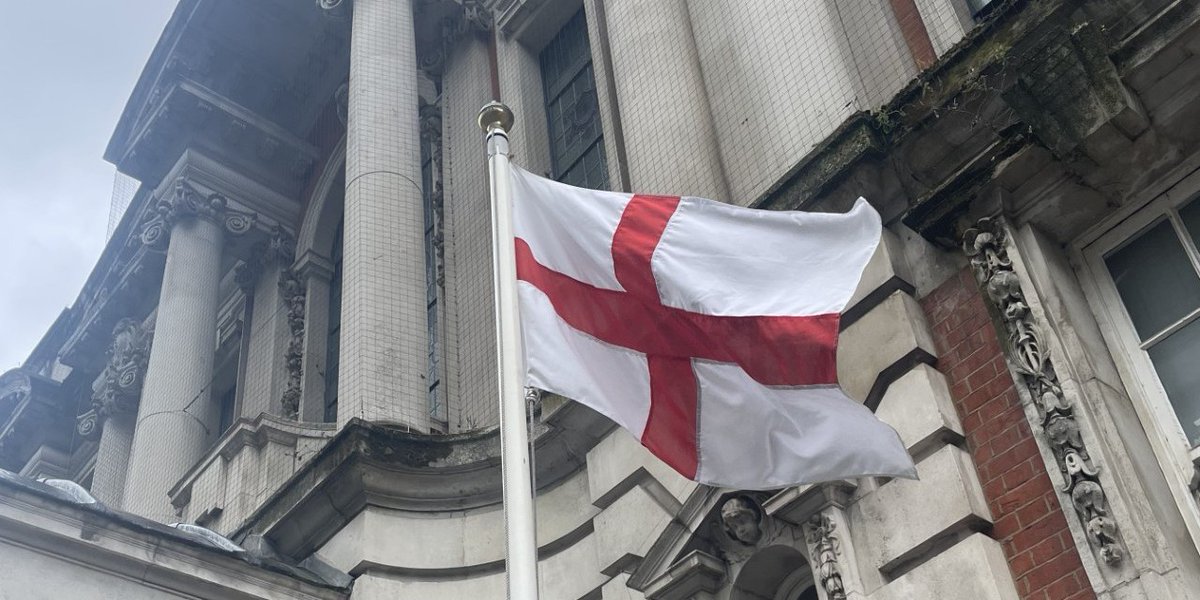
248 433
370 464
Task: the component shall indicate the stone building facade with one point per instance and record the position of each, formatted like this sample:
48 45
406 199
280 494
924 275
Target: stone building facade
286 347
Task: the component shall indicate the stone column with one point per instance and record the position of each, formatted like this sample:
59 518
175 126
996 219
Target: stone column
276 324
116 393
315 272
176 414
382 375
112 459
664 103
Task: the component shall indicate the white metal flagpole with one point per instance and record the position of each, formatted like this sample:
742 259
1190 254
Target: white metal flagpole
519 521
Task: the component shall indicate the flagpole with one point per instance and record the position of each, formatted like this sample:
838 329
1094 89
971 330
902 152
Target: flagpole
519 523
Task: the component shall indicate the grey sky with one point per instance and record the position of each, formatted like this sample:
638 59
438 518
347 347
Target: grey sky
66 69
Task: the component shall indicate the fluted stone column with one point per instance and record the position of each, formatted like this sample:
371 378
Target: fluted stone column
112 459
176 411
116 393
383 352
664 103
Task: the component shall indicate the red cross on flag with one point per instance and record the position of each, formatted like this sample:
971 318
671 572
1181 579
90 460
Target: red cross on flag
708 331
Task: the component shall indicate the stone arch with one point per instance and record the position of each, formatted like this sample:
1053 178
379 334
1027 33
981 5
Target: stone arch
323 214
775 573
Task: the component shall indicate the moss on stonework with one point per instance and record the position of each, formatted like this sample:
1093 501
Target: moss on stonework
962 70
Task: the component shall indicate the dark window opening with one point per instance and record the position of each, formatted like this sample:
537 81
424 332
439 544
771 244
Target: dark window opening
572 109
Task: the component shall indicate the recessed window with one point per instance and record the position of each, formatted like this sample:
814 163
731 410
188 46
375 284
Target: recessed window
1156 273
572 108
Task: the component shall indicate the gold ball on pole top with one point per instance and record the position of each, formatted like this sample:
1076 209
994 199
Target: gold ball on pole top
495 115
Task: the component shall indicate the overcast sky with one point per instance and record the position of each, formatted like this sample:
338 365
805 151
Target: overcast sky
66 69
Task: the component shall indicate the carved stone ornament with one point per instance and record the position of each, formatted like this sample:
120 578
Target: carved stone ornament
741 527
341 99
185 202
334 8
985 245
472 17
121 382
823 548
292 291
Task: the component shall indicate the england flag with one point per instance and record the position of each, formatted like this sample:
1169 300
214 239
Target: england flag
708 331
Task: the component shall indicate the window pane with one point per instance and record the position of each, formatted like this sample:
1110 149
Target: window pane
1175 360
572 108
1155 279
1191 220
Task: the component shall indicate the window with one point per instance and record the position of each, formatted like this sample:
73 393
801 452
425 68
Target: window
977 6
334 332
569 85
1156 274
437 410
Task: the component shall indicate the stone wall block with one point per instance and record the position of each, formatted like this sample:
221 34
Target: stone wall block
973 568
629 526
881 346
886 272
919 407
904 520
616 459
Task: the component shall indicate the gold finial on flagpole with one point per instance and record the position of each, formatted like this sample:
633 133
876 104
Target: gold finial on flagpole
495 115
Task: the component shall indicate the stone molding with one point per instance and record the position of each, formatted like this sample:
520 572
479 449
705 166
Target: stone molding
120 385
185 202
372 464
986 246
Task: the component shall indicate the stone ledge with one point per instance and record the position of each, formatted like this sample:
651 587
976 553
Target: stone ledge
376 464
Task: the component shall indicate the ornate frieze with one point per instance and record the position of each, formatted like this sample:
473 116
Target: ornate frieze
120 385
186 202
985 245
823 548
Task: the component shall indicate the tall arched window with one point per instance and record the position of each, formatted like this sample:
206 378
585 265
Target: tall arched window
333 340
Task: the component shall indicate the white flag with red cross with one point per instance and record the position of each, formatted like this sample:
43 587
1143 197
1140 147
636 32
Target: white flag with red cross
708 331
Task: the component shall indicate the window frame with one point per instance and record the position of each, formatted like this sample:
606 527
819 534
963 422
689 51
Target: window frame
1153 408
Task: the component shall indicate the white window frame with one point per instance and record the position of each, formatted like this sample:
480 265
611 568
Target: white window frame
1151 404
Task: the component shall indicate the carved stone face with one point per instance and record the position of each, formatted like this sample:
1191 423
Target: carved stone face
741 520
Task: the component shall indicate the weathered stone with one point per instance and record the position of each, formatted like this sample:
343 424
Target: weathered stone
905 520
919 407
882 345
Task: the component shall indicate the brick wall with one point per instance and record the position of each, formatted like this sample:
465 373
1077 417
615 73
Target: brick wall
1029 521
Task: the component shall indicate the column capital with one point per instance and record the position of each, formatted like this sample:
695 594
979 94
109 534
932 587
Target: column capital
184 202
311 266
119 387
278 248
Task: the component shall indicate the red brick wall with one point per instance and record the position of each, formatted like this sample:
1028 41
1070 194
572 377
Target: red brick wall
1029 521
916 36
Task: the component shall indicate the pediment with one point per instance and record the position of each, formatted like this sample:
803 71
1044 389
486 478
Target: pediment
690 551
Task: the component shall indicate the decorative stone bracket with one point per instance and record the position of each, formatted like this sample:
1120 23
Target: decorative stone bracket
985 245
121 382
